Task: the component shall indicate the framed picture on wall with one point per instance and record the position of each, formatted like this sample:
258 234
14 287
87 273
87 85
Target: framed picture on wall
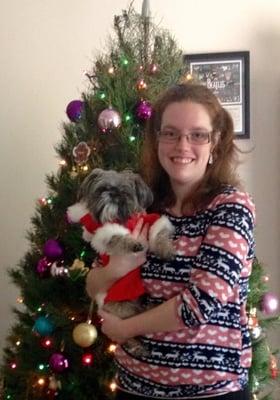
227 75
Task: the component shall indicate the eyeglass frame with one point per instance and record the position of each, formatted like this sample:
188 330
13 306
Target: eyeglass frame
187 135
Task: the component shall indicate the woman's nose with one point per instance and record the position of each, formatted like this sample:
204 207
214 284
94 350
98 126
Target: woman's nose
183 141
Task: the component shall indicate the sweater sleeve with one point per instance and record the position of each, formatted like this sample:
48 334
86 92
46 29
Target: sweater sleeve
226 250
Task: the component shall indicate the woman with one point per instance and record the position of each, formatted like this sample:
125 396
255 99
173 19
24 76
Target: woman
196 334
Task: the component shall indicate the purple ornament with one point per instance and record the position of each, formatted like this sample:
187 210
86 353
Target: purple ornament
43 267
74 110
269 303
109 119
144 110
58 362
52 249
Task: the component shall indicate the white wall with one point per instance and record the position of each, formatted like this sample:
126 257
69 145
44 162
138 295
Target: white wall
46 46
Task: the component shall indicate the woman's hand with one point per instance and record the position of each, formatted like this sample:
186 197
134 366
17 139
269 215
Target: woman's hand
120 265
113 327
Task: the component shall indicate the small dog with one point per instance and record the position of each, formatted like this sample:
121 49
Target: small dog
110 204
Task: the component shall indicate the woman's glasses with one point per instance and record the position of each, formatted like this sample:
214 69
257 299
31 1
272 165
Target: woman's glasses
193 137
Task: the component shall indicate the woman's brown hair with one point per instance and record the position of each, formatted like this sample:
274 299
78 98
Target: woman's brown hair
220 173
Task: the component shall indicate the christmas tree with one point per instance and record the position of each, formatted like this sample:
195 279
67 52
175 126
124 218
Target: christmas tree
261 306
55 348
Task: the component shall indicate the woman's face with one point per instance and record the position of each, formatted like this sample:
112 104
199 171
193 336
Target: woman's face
185 163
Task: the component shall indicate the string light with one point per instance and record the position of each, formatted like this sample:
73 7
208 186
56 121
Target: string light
43 201
41 381
18 343
141 85
112 348
87 359
20 300
113 386
41 367
153 68
127 118
46 342
132 138
62 163
124 61
111 70
13 365
102 95
85 168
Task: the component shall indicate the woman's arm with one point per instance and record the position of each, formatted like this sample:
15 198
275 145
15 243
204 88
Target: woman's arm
162 318
100 278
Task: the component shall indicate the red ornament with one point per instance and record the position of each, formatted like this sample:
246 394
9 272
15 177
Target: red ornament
87 359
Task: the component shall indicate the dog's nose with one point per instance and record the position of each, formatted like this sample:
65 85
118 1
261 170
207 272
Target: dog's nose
137 247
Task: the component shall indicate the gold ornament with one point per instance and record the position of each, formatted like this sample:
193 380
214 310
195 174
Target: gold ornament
141 84
79 265
84 334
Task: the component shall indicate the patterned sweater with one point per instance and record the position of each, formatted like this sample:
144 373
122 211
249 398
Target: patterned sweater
211 353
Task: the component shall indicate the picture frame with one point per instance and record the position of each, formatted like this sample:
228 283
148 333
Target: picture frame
227 75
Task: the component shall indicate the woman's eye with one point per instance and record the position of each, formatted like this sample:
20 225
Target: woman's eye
169 134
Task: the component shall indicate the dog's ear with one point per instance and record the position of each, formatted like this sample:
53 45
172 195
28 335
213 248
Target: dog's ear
87 183
143 192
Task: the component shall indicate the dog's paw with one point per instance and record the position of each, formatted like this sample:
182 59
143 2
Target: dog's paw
165 250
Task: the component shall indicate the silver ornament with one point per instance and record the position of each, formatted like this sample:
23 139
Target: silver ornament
109 119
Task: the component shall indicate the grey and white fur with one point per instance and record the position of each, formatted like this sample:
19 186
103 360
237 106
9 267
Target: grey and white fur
111 198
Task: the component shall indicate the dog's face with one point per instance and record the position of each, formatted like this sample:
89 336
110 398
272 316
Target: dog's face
114 196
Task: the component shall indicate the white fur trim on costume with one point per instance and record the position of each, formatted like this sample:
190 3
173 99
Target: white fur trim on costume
162 223
104 234
76 212
99 298
87 236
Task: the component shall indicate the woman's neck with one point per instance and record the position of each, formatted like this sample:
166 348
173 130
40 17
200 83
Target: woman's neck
181 206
